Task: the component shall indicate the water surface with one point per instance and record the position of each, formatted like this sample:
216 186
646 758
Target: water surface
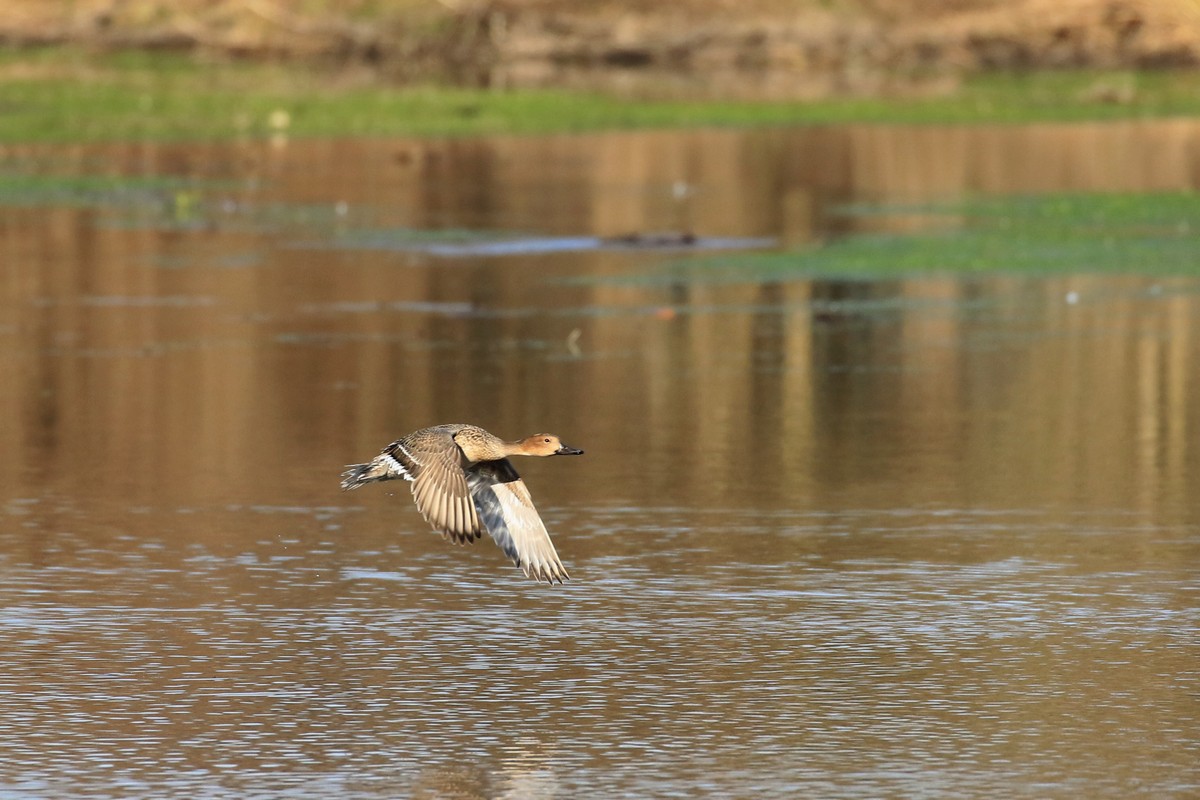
846 535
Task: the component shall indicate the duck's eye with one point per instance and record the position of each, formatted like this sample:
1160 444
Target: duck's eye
547 441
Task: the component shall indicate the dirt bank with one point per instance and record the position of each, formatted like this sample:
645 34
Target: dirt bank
727 46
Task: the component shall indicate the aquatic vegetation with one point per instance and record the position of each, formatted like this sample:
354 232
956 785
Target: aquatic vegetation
1128 233
164 202
88 191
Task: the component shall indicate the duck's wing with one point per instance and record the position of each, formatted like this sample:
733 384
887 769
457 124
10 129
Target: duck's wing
434 463
503 505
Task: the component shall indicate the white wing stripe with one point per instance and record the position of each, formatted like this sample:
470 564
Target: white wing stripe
396 466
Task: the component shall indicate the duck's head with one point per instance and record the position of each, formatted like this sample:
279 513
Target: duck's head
546 444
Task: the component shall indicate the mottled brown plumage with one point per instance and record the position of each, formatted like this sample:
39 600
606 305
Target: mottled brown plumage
464 485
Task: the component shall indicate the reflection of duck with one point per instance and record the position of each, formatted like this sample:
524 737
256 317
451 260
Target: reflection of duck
511 774
464 486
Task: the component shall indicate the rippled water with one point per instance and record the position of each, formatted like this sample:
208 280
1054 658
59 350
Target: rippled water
918 536
852 653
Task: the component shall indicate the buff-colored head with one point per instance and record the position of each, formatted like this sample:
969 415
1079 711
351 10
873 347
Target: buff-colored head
544 444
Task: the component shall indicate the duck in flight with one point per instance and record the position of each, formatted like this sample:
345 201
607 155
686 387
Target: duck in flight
465 486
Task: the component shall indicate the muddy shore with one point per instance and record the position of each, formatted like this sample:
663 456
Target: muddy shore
761 47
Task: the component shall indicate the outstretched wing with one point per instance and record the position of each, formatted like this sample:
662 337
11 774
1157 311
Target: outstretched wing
503 505
439 487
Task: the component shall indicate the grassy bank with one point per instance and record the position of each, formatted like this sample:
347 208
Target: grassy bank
64 95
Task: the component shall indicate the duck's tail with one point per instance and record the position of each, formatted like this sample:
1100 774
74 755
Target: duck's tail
358 474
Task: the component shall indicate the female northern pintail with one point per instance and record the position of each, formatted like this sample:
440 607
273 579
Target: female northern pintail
465 486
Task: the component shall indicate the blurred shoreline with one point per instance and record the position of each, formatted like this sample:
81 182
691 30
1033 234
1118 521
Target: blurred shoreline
762 48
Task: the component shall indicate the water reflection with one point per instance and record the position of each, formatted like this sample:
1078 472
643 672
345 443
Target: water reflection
924 535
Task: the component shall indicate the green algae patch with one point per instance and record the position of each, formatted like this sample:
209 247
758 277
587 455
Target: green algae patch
1151 234
88 191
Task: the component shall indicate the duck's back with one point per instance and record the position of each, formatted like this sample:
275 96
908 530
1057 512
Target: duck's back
432 459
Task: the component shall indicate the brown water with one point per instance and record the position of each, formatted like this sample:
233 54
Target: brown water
831 537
